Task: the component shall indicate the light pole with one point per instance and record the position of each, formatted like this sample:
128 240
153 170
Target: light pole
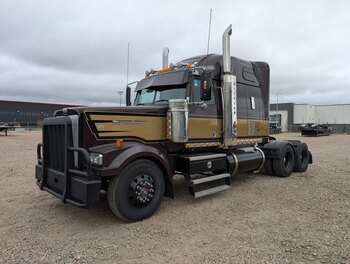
16 117
278 91
120 97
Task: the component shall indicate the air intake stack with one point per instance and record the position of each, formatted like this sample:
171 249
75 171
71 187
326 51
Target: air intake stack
229 94
165 61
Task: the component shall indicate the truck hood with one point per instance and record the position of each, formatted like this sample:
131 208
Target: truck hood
131 123
148 110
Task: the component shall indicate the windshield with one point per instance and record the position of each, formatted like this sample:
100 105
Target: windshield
158 95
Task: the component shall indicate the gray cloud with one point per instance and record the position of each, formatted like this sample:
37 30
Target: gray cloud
75 51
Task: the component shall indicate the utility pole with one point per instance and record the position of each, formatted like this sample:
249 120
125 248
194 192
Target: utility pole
127 66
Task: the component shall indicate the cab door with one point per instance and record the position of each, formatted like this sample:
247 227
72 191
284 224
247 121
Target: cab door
205 124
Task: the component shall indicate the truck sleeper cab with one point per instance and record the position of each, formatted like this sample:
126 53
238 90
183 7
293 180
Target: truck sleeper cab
205 118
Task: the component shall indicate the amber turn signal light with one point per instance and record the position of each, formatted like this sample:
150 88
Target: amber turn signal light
119 143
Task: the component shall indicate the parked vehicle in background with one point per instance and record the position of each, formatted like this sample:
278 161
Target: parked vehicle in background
275 129
5 127
315 130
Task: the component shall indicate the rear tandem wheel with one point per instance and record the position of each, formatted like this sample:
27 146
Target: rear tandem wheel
302 158
283 166
268 167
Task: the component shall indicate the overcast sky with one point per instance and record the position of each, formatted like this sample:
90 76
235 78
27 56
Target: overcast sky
76 51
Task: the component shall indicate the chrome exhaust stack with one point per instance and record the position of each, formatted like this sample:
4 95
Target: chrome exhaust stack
229 93
165 58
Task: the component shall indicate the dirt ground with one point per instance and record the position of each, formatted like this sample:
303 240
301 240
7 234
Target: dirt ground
262 219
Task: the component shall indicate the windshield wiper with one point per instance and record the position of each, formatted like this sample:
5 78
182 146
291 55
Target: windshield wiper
140 104
162 100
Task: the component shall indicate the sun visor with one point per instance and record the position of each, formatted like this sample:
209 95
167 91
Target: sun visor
179 77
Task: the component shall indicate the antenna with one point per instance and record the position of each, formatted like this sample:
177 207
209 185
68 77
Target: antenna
209 35
127 66
127 88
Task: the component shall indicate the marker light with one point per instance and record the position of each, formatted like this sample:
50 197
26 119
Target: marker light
119 143
164 70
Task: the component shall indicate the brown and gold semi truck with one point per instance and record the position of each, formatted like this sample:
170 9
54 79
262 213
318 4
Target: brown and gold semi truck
205 118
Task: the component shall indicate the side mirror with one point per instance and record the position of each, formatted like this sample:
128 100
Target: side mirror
206 85
128 96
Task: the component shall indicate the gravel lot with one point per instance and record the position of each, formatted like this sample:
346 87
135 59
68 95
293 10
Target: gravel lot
261 219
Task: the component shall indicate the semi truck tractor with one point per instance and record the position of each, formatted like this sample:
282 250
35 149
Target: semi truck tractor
205 118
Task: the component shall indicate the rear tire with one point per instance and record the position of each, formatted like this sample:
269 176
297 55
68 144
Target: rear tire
283 167
137 192
268 167
302 158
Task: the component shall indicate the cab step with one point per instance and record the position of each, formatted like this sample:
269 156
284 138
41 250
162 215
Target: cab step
206 172
207 185
209 178
211 191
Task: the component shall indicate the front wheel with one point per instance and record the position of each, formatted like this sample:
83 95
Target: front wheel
137 192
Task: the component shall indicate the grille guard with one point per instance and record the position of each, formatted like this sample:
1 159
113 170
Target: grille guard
56 172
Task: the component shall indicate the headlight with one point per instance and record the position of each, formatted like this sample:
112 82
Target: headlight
96 158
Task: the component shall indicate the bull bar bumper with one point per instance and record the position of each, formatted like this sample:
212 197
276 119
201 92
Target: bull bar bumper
72 186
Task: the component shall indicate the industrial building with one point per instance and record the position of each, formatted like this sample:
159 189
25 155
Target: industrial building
288 116
27 114
291 116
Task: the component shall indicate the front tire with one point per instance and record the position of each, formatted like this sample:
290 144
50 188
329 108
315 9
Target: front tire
137 192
